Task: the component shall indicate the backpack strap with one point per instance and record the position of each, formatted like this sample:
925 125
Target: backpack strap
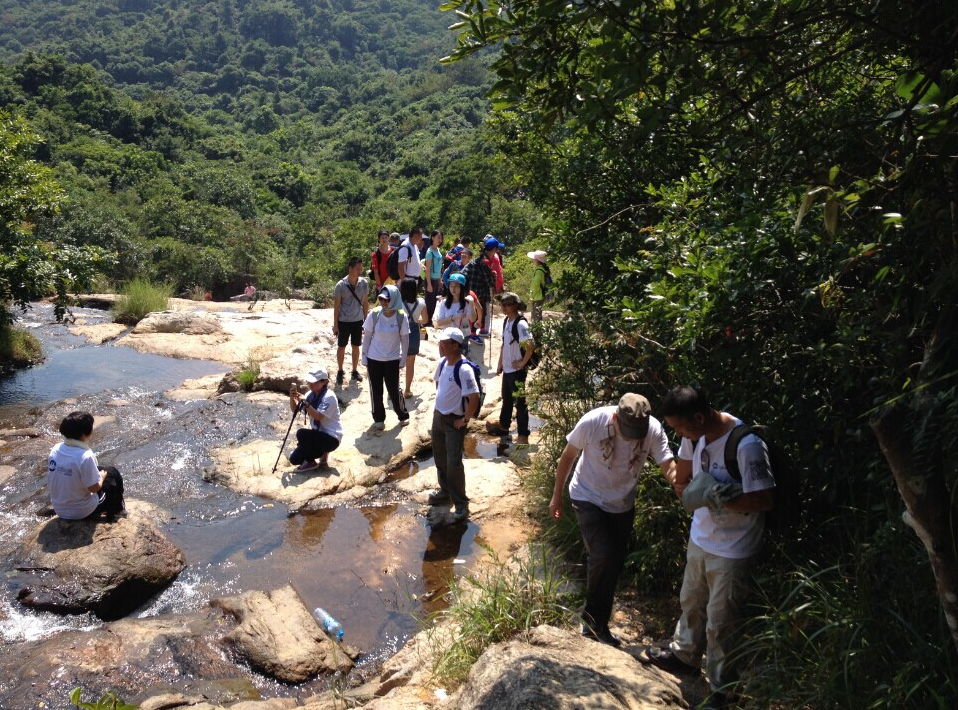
353 291
731 449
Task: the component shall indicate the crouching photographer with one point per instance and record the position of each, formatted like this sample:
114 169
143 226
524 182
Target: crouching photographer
321 407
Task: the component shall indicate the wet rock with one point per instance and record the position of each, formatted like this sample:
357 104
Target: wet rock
186 322
74 566
556 668
28 432
278 636
99 332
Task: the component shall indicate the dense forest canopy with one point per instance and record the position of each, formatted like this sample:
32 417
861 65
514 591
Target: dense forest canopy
211 143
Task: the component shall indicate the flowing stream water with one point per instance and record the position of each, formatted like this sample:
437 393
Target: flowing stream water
376 566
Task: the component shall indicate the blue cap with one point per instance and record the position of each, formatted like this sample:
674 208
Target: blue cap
491 243
458 279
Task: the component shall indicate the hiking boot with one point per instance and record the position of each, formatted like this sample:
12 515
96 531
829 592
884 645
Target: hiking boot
356 377
666 659
461 514
522 440
340 376
439 497
306 466
495 428
602 636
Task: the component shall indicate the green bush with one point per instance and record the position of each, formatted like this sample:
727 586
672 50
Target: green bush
250 372
18 348
138 298
321 292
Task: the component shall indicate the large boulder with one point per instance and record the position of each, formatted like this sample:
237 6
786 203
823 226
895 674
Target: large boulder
187 322
555 668
278 636
74 566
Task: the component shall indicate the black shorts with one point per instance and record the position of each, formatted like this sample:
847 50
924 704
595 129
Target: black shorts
350 331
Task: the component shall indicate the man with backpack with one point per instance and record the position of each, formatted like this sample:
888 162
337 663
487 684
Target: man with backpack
350 307
481 281
458 395
517 350
725 538
608 447
405 262
379 270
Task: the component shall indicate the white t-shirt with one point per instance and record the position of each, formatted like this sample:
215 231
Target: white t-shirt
409 255
72 471
723 532
460 317
385 341
328 406
510 348
448 394
610 482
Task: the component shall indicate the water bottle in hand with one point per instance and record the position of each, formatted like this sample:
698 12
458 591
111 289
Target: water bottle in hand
332 627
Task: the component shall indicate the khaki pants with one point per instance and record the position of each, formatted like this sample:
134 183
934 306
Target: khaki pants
714 596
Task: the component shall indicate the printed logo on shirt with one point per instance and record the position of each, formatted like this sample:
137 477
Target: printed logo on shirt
53 465
758 471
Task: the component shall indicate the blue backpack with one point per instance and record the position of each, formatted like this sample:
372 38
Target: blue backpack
456 377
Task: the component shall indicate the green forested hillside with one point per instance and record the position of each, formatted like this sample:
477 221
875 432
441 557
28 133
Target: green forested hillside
204 142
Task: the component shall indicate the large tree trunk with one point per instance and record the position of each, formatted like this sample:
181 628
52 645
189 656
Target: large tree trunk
928 503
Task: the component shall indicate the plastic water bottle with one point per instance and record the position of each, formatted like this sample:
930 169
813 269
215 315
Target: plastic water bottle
332 627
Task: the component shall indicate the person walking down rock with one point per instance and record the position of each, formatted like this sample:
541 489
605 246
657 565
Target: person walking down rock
611 445
385 346
79 488
313 444
725 538
517 349
350 308
457 401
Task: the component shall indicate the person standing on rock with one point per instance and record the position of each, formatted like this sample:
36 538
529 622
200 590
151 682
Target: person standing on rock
457 401
350 308
379 269
725 539
385 346
517 349
79 488
325 432
614 443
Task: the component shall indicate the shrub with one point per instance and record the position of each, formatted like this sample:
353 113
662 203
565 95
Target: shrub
18 348
250 372
138 298
321 292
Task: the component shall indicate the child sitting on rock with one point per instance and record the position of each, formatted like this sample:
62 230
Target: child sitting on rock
79 488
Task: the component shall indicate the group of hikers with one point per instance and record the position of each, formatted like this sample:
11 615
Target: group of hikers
606 452
385 339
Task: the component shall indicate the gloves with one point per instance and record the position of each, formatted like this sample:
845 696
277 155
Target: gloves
705 491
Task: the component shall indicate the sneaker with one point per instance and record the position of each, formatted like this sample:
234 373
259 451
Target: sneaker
461 513
356 377
603 636
439 498
666 659
475 339
379 426
408 394
306 466
484 333
403 422
340 376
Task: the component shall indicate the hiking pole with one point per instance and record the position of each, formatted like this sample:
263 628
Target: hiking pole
298 409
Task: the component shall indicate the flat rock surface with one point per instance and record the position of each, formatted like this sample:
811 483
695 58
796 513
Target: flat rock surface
72 566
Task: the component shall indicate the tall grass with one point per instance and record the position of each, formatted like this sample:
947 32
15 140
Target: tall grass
18 348
500 602
140 297
249 373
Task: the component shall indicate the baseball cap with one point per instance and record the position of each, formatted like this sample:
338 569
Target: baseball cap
510 297
457 279
317 375
633 416
451 333
491 242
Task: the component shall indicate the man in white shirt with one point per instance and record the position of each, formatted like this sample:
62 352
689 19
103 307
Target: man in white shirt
514 356
325 431
725 537
410 265
457 400
614 443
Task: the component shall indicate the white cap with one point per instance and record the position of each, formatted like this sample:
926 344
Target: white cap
451 334
317 375
537 255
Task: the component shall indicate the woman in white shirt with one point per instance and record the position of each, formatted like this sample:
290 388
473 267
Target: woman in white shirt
385 346
457 309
